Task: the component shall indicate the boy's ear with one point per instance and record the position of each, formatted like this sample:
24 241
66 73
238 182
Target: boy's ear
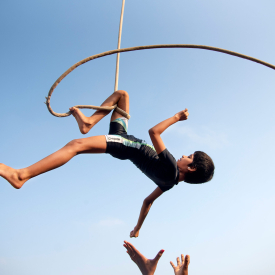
192 169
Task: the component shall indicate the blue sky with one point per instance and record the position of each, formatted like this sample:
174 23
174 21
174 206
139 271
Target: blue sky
73 220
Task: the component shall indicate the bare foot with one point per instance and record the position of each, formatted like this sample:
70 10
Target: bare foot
146 266
182 267
83 122
11 175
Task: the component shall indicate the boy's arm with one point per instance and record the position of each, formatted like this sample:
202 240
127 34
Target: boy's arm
157 130
147 203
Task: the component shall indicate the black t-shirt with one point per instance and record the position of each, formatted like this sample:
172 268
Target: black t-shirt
161 169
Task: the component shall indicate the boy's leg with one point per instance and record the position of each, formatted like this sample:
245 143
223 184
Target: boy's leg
123 103
121 98
17 177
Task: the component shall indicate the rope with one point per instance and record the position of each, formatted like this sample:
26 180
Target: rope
118 45
136 49
120 111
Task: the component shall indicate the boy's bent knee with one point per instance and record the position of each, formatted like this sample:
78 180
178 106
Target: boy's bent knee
122 93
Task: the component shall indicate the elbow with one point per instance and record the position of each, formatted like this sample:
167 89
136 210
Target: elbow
147 202
152 132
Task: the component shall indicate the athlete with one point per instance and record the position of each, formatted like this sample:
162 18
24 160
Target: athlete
155 162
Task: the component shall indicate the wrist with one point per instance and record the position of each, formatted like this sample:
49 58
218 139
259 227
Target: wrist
137 228
176 117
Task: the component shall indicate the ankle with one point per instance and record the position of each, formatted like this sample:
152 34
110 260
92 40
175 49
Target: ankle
22 175
91 121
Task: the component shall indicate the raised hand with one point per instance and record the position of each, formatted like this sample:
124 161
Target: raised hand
146 266
134 233
182 267
182 115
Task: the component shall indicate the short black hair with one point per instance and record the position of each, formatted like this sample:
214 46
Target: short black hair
204 169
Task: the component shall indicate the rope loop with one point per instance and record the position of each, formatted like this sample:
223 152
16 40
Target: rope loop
48 98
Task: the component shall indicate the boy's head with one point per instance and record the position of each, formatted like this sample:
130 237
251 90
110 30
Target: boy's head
197 168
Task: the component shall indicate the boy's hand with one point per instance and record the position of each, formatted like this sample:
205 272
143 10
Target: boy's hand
182 115
134 233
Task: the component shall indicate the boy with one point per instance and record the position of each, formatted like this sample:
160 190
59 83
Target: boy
155 162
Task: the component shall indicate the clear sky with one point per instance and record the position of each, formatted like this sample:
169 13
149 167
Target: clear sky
73 220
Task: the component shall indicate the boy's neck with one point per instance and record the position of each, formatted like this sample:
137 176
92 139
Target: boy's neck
181 176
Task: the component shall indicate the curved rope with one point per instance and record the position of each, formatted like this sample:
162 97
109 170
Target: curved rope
135 49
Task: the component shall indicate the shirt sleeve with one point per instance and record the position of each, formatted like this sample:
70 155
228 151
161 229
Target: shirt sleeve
165 188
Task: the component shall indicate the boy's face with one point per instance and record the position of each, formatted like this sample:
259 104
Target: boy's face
184 162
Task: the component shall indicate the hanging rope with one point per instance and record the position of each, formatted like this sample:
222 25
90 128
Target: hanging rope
136 49
118 45
120 111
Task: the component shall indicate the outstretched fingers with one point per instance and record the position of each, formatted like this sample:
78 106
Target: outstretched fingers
172 264
178 260
130 246
131 250
186 261
182 258
182 266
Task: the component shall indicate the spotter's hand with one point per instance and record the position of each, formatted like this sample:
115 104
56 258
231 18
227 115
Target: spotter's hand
182 115
182 267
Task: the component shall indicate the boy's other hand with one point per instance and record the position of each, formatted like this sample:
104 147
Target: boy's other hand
134 233
182 115
182 267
